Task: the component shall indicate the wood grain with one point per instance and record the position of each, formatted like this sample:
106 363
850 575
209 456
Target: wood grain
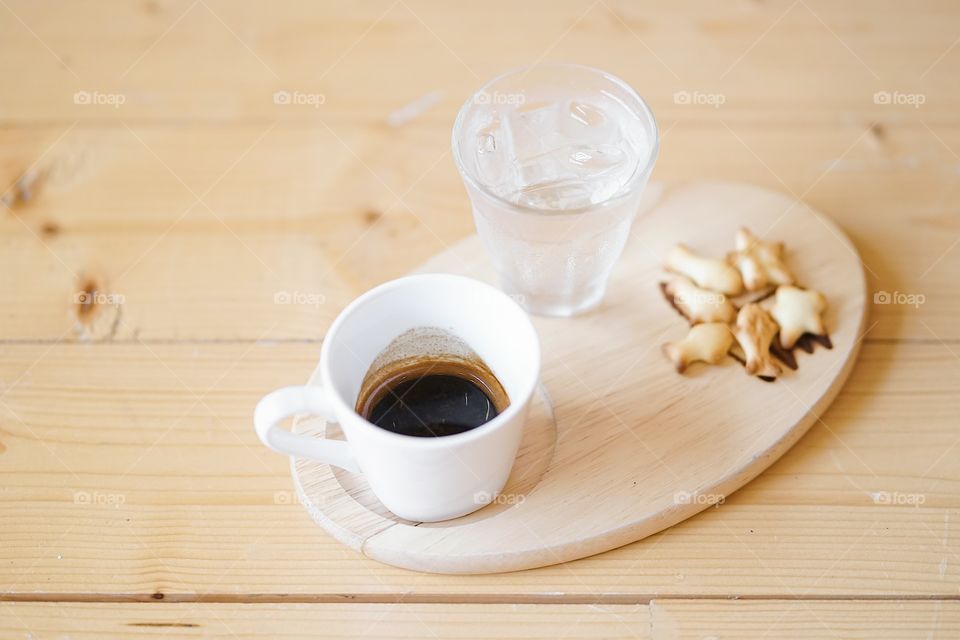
662 619
290 621
687 619
215 61
691 619
330 223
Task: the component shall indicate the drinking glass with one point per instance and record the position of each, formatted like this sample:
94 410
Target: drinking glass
555 159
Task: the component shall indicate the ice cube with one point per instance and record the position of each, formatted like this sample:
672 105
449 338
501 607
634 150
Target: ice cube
533 131
494 158
591 161
558 155
538 146
583 121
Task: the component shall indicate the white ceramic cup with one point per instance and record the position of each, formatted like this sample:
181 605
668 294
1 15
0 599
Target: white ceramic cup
420 479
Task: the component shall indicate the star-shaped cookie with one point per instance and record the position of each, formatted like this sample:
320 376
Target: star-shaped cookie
760 263
797 311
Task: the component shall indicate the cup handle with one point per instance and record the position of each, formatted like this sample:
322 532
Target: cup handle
287 402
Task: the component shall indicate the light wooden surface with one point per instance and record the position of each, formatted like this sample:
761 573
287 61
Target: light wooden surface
128 467
620 423
660 620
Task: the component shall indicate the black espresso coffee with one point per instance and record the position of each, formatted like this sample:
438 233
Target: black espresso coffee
431 396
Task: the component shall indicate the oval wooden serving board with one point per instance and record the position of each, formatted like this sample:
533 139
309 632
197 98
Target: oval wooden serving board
620 446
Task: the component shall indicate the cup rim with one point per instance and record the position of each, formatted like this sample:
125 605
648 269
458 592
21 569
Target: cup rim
516 404
642 169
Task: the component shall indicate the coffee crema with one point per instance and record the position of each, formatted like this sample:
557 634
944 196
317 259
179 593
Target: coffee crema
432 394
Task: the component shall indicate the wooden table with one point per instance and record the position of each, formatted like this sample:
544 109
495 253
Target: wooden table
175 241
